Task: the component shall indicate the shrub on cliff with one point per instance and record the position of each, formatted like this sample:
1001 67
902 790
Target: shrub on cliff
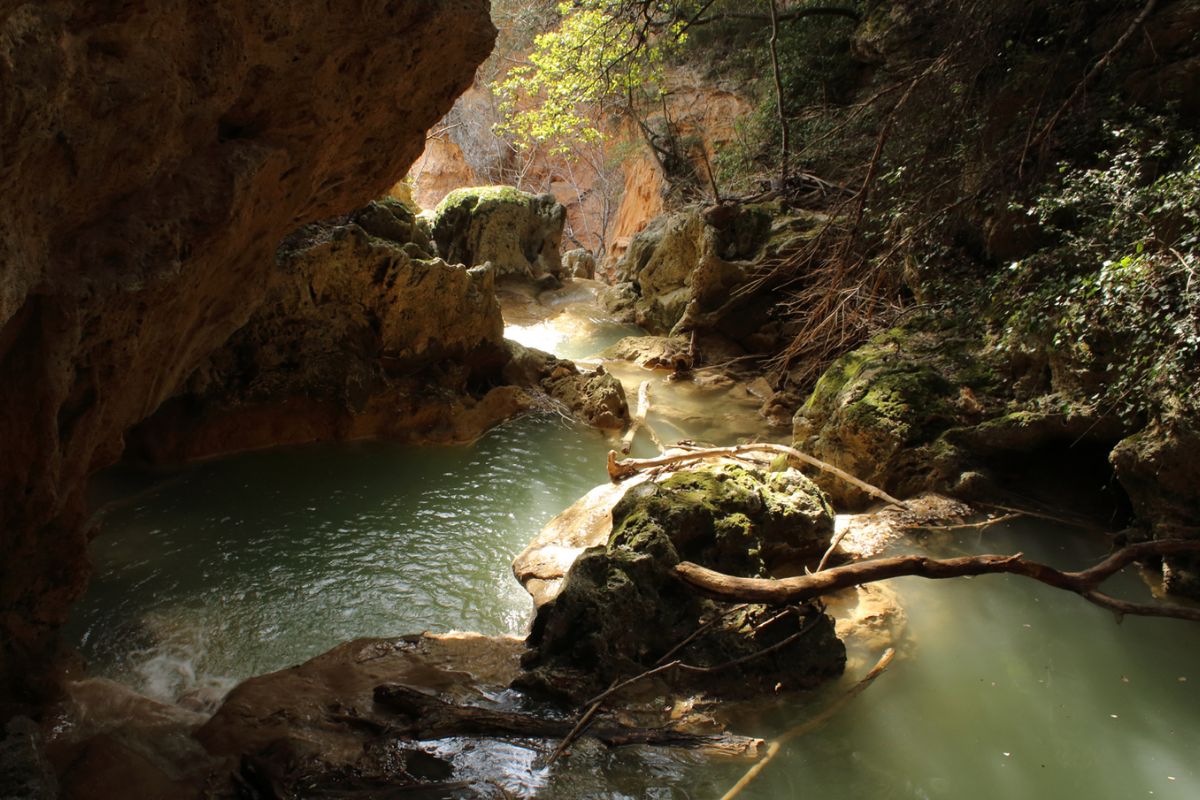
1117 294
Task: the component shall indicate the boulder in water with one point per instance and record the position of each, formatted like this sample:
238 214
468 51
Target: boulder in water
517 232
621 608
579 263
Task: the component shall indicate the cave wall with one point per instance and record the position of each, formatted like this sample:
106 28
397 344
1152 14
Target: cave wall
153 155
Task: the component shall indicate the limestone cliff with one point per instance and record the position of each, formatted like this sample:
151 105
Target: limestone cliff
152 158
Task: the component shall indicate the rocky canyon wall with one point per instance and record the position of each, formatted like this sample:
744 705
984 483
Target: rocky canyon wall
610 189
152 156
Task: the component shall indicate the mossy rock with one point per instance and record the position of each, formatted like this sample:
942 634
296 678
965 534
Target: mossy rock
880 412
687 271
390 219
621 607
516 232
1159 467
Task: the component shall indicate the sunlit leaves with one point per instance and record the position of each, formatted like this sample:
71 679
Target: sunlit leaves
1122 290
596 58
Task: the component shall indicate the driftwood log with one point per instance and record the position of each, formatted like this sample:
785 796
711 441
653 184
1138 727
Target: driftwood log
1084 583
639 422
423 716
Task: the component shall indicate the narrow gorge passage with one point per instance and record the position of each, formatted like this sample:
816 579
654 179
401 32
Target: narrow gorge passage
322 329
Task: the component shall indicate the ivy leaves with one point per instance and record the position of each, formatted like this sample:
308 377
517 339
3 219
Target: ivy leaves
1121 289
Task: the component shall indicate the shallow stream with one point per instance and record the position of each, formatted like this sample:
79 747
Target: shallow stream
1003 688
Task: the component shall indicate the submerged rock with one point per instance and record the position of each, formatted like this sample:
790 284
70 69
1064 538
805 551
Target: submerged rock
516 232
621 608
111 742
316 729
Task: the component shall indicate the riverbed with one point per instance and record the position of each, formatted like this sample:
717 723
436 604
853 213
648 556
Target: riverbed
1002 687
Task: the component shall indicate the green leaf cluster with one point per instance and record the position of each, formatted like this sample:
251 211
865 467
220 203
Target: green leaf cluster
1120 293
596 58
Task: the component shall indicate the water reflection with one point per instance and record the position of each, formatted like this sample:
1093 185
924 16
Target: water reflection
256 562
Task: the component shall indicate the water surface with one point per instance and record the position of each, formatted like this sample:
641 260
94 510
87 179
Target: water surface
1003 688
248 564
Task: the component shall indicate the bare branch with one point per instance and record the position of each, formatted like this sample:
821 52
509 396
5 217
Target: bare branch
1040 140
809 724
620 469
1083 583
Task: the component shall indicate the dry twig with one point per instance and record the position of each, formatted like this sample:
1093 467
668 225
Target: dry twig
799 730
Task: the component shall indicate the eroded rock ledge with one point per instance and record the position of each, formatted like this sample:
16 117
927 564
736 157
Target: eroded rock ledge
153 158
365 333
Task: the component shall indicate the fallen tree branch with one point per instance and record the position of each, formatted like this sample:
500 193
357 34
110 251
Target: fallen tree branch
1083 583
832 546
621 469
965 526
574 733
1086 525
639 417
423 716
811 723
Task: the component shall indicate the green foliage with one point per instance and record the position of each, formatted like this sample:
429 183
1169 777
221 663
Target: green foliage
594 59
817 72
1120 291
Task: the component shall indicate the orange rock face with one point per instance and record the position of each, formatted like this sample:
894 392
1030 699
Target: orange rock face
440 170
152 157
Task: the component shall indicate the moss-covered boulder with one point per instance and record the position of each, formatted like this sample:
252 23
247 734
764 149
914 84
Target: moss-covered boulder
879 411
924 406
690 271
517 232
1159 467
621 608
